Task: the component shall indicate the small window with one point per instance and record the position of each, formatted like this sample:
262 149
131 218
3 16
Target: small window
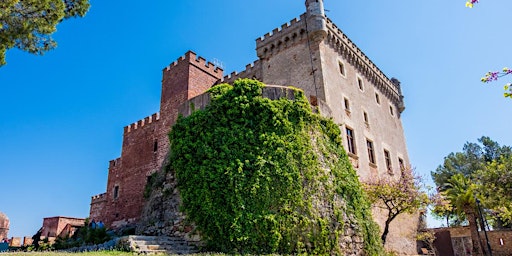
401 163
391 110
347 104
360 83
377 98
371 151
351 141
155 146
116 192
342 68
365 116
387 157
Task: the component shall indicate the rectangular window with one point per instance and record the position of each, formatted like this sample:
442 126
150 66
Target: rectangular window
371 151
365 116
387 157
391 110
351 141
401 163
347 104
155 146
360 83
342 68
116 192
377 98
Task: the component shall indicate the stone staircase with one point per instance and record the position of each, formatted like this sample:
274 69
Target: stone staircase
159 245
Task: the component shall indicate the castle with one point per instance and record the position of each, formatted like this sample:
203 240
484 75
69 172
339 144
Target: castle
310 53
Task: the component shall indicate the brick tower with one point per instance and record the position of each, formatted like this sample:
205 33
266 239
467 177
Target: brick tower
145 143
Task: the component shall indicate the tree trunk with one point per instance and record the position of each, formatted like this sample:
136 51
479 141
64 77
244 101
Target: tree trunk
386 231
482 228
470 214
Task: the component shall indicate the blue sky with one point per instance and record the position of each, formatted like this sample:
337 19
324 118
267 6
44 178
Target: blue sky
62 114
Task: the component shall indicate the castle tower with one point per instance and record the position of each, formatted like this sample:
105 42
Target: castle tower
145 142
313 54
184 79
316 20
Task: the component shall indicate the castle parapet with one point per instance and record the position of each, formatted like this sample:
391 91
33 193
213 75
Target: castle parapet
141 123
98 198
342 44
287 35
114 163
198 61
273 92
252 71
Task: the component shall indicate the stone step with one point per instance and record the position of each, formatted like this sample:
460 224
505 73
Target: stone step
160 245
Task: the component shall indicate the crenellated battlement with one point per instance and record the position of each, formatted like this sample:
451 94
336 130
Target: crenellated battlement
141 123
114 163
287 35
343 45
291 24
198 61
252 70
99 197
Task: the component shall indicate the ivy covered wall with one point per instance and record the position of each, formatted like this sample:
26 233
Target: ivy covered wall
260 175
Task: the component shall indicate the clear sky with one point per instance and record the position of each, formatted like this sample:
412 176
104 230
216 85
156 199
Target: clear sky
62 114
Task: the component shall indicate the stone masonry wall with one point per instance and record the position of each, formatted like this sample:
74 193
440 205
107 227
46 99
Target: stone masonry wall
335 75
53 226
161 214
499 240
145 143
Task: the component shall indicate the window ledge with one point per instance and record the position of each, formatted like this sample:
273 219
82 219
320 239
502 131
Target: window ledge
352 155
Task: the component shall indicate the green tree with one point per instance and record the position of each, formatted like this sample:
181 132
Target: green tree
396 196
29 24
466 163
443 209
461 193
472 163
496 184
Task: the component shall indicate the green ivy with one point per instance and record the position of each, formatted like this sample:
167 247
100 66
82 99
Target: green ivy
252 173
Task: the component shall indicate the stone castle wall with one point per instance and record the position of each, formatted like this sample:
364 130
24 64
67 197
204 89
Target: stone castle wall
145 142
310 53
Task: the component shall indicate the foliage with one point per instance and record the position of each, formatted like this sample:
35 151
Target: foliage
480 164
101 253
466 163
29 24
462 195
396 196
494 75
427 237
252 173
444 210
470 3
96 253
496 186
460 192
85 235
